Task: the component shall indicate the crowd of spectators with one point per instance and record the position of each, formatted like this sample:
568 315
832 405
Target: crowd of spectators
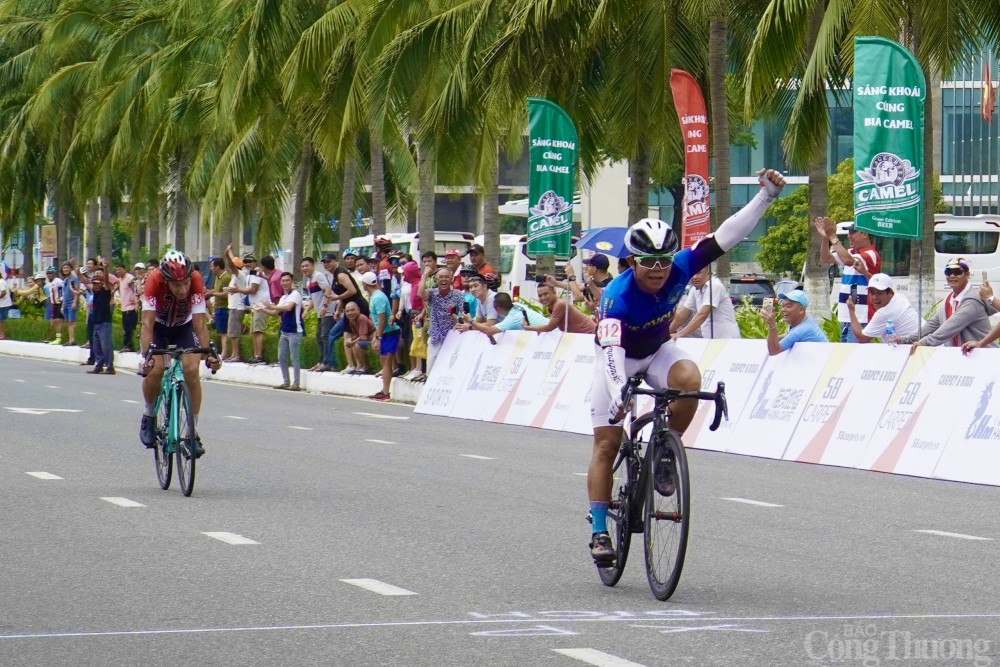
391 307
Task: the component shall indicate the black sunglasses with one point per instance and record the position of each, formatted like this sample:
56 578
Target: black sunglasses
954 272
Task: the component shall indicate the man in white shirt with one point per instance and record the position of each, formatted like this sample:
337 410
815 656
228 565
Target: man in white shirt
888 306
258 294
712 308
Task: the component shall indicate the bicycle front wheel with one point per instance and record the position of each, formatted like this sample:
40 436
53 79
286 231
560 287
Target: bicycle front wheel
163 458
667 513
185 435
622 511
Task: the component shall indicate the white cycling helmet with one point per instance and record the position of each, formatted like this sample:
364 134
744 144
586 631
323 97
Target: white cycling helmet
651 236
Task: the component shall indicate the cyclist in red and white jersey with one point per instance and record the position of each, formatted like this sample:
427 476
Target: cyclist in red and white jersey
173 313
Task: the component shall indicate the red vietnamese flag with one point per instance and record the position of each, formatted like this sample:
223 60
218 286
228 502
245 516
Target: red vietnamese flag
691 114
989 93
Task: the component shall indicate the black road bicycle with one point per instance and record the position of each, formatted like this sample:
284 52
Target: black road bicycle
652 492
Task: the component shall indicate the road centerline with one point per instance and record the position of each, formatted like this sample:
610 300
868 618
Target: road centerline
376 586
957 536
230 538
755 503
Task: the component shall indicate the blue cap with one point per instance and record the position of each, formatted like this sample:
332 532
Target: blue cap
798 296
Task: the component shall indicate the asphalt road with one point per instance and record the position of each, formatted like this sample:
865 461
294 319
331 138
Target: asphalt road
481 525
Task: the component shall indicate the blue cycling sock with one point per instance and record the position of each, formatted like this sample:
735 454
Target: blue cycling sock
599 512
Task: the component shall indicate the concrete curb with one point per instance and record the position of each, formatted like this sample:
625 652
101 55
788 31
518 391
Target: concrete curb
402 391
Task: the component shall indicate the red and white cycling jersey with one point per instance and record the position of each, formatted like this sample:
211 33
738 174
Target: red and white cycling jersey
171 311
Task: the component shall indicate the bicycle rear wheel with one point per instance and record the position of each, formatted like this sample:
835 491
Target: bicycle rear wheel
185 434
622 509
667 517
163 459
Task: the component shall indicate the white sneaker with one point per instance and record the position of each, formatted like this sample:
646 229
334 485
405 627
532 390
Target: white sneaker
347 371
411 374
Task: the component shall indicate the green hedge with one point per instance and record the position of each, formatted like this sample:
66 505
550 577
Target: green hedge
33 329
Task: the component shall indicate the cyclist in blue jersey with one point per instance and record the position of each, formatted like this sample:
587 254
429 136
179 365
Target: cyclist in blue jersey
634 337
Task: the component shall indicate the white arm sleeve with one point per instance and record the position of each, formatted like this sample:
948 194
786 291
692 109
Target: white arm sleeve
614 370
739 225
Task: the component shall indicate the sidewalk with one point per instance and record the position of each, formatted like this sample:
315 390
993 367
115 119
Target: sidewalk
402 391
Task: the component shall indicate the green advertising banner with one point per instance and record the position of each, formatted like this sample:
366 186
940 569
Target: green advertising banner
889 94
552 151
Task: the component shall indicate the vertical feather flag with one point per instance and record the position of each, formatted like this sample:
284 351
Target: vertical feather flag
989 93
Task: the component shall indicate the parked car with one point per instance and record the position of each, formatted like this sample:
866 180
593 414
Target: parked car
756 288
786 286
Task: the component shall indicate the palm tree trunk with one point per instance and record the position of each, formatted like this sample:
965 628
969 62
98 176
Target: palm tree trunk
491 218
638 189
717 66
106 231
817 281
425 199
134 246
378 187
922 251
347 202
153 229
28 269
299 210
90 229
181 204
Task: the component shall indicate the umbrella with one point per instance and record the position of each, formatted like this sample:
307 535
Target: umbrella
606 240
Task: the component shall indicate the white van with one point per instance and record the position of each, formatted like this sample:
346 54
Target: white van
517 270
410 244
976 238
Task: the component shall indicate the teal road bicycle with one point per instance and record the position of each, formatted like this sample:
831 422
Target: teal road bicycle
175 431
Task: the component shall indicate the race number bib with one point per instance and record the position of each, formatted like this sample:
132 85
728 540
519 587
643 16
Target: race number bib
609 332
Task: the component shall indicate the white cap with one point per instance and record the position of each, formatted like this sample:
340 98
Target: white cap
880 281
369 279
139 265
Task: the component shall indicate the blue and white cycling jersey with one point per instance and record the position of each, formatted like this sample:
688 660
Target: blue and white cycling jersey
645 318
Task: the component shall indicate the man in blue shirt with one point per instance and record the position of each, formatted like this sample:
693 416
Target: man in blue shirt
387 334
511 318
801 327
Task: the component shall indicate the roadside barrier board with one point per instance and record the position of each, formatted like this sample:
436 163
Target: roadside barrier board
846 404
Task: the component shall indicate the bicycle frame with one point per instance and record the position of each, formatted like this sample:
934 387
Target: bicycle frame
172 376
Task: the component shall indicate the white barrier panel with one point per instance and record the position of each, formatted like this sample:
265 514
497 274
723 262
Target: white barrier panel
486 363
973 450
448 377
539 380
778 400
846 404
568 409
737 363
919 418
497 405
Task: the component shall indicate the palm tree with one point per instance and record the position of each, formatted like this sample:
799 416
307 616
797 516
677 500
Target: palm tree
939 34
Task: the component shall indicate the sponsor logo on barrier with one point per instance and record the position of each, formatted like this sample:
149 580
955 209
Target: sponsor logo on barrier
782 409
984 426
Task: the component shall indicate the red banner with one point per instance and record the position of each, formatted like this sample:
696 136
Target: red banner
694 128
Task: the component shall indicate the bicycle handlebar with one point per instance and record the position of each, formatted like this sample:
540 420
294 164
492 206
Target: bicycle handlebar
632 389
177 352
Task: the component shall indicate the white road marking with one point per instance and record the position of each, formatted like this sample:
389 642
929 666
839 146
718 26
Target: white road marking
44 475
477 457
604 618
123 502
39 411
597 658
18 380
90 393
235 417
381 442
230 538
536 631
756 503
580 474
374 415
129 400
51 386
959 536
301 428
376 586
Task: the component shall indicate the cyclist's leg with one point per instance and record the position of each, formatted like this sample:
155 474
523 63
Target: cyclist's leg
673 366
